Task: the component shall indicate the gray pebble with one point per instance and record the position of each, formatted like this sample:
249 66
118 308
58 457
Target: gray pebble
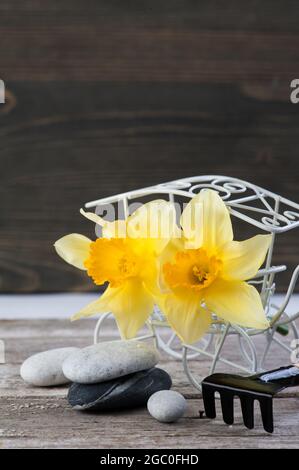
109 360
166 406
45 369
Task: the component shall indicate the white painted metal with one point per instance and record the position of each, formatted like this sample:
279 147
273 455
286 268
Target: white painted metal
257 206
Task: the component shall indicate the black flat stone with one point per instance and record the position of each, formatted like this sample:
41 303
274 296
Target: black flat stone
129 391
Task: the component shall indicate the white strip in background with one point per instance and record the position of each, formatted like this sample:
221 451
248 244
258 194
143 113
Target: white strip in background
45 306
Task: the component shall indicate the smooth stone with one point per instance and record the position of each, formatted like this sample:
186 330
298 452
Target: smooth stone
45 368
167 406
125 392
109 360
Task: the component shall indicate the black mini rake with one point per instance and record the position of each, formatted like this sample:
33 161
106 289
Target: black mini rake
262 387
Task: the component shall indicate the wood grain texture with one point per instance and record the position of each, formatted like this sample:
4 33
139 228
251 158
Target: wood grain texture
41 417
109 98
183 41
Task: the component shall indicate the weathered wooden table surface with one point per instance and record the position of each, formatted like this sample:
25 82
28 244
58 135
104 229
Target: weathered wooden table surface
41 417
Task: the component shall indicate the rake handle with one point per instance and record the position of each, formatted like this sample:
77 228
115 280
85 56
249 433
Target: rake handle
286 376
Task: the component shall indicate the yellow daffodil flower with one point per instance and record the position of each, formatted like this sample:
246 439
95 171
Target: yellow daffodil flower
205 271
126 257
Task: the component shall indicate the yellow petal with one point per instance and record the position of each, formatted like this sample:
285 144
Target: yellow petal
206 221
74 249
93 217
155 220
116 229
167 256
100 305
131 305
242 260
185 315
236 302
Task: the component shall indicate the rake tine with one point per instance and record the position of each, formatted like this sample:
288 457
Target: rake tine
266 405
247 405
227 405
208 395
262 387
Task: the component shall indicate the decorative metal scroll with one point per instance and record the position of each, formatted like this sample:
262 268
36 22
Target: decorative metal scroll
253 204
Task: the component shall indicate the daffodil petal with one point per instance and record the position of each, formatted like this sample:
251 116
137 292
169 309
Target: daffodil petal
167 256
116 229
98 306
242 260
93 217
185 315
191 222
155 220
74 249
236 302
206 221
131 305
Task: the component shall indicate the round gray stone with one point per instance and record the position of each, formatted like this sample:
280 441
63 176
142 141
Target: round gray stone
109 360
166 406
45 369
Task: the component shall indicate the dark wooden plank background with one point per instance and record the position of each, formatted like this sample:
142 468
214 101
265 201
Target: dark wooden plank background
104 97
